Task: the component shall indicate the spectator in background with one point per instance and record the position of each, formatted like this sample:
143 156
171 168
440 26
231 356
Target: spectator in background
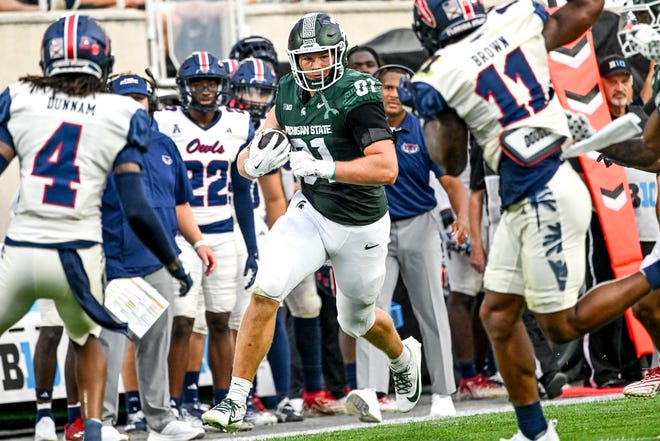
45 367
415 250
363 59
609 352
167 186
465 267
33 5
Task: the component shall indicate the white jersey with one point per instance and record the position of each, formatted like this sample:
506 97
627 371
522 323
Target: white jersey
208 154
66 146
497 79
644 193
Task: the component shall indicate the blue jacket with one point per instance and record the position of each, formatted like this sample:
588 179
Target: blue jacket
411 194
166 185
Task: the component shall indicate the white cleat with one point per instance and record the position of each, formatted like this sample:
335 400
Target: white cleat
442 406
549 435
176 431
44 430
227 416
408 383
364 404
647 387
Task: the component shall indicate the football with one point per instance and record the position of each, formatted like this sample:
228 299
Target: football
270 139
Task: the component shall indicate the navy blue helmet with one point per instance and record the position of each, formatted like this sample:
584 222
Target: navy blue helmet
230 65
76 44
202 65
253 86
436 21
254 47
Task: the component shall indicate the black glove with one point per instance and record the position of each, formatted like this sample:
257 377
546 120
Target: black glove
177 271
251 267
608 162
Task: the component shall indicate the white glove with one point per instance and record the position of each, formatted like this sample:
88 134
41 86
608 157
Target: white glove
270 156
303 164
621 129
578 125
645 40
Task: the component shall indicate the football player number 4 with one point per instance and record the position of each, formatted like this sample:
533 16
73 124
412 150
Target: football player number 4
56 160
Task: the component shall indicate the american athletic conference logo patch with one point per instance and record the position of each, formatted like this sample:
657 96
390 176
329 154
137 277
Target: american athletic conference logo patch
409 148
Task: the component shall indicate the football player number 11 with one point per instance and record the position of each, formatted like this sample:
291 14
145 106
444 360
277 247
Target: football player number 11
491 84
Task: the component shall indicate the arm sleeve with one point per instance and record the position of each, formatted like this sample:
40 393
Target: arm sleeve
139 132
368 124
477 172
137 140
5 105
142 218
243 208
182 187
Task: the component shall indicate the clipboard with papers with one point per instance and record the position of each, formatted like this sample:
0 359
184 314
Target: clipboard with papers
135 302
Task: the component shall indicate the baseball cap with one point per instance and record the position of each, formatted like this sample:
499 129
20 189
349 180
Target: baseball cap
125 84
614 64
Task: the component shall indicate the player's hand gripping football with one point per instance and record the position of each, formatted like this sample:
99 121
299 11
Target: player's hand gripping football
269 150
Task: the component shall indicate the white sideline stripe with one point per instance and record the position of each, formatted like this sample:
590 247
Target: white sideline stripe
393 422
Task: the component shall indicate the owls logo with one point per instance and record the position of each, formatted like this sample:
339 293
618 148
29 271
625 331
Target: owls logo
410 148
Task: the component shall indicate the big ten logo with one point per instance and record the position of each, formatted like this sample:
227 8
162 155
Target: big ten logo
17 353
17 362
644 193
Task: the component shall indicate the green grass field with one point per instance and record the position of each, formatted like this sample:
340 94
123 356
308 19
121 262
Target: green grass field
612 420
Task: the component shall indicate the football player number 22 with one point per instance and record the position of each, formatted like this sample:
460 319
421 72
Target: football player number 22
317 149
56 161
215 174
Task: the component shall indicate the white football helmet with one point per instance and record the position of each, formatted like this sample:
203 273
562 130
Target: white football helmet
639 28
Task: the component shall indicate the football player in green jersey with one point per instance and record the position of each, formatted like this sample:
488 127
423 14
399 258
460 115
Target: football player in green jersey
344 153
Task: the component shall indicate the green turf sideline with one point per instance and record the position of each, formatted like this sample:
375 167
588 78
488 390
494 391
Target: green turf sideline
599 418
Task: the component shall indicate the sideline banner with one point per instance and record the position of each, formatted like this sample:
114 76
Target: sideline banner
17 347
575 76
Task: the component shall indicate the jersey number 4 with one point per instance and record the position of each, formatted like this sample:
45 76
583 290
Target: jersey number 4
56 160
490 84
